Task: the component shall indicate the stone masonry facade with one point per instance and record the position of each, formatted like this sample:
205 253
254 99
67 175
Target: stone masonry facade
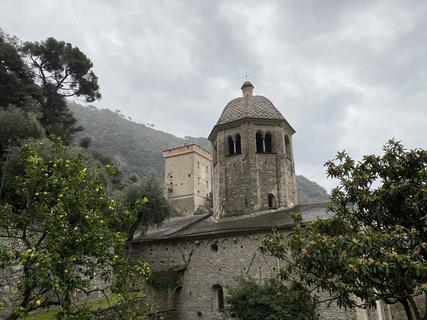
208 263
242 182
188 178
211 263
9 278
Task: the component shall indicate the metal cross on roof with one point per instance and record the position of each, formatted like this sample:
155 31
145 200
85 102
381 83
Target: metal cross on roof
246 76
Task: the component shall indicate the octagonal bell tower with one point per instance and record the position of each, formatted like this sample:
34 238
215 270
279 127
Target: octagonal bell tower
253 163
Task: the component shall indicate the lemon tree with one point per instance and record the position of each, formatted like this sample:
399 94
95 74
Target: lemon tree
61 218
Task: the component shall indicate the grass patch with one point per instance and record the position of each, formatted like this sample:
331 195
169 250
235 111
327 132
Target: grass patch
42 315
50 314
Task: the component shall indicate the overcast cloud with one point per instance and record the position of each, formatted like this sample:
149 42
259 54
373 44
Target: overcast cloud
346 74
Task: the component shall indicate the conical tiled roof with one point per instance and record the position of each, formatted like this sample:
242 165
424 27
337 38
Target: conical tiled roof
257 107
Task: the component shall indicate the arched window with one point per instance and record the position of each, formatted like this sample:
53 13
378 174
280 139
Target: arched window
238 144
259 142
271 203
230 146
215 155
220 299
288 148
214 247
179 299
217 298
178 290
268 143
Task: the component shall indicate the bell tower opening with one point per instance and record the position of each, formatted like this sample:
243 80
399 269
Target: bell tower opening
259 142
268 143
238 143
230 146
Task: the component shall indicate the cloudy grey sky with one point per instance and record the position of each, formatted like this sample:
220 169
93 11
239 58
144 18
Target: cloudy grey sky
346 74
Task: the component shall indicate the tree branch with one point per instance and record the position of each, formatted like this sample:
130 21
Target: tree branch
415 308
408 312
59 83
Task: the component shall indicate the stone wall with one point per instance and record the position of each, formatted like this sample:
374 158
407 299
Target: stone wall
9 277
210 263
242 182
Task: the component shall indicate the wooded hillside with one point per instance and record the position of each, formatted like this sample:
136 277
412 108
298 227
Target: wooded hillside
138 147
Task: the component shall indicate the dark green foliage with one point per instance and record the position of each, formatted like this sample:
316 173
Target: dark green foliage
375 245
155 209
164 280
46 149
17 125
271 300
16 81
136 308
64 67
102 157
62 71
56 118
388 190
133 178
210 200
48 72
85 142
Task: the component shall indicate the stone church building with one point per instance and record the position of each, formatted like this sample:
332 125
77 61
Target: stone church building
252 178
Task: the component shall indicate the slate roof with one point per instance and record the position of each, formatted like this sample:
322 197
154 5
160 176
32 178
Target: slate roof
170 226
205 226
257 107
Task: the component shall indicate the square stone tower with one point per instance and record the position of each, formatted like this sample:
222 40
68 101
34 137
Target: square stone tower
188 177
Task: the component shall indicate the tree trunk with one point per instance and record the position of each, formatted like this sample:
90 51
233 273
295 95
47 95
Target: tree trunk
415 308
26 296
425 306
408 311
66 302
